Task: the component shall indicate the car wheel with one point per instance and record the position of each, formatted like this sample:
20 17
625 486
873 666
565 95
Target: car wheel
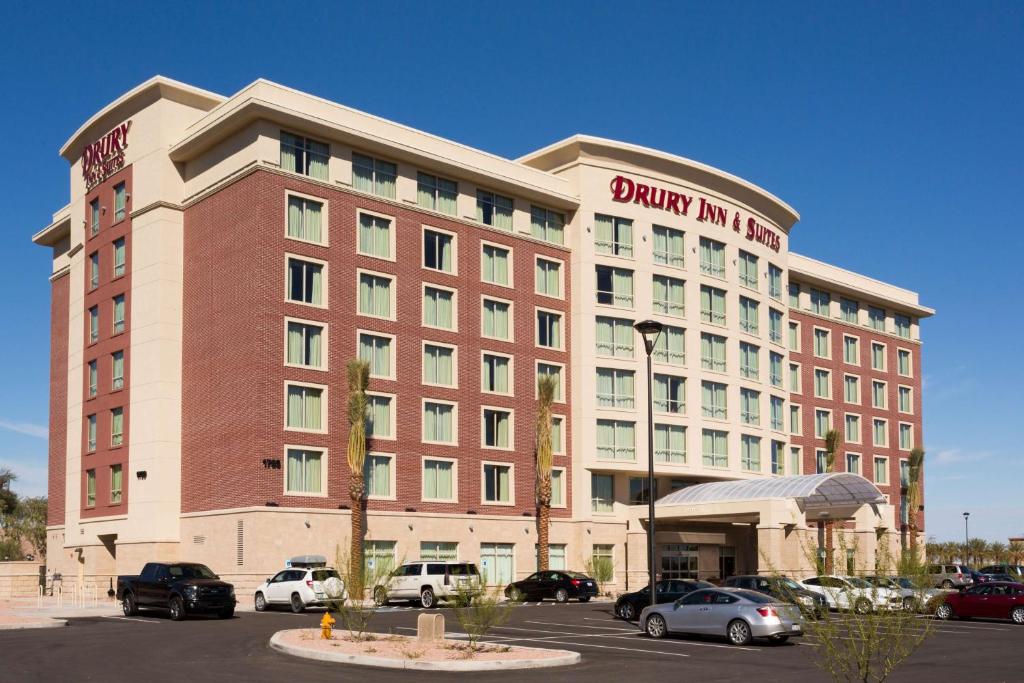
297 605
177 608
260 603
778 640
226 613
1017 616
585 598
128 605
947 584
515 595
656 626
909 604
627 611
561 595
944 612
739 632
862 606
380 596
427 598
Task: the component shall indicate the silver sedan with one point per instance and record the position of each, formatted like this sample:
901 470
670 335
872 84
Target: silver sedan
738 614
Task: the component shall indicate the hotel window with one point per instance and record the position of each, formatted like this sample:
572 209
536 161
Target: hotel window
305 344
497 483
748 315
712 352
749 361
616 440
116 482
775 369
374 176
94 217
614 286
794 378
794 295
822 383
495 374
615 388
712 258
304 407
119 313
849 310
494 210
305 219
117 370
905 400
557 444
668 296
379 554
794 336
375 295
778 455
822 423
903 362
820 302
902 323
750 407
436 193
119 255
94 270
748 270
554 372
438 422
439 551
548 278
853 463
853 428
750 453
880 432
775 325
120 195
90 488
667 246
638 490
549 329
304 473
374 235
305 282
712 305
670 444
614 337
714 402
878 395
876 318
795 459
376 350
90 433
613 236
775 282
116 426
877 356
906 437
777 421
547 225
377 475
820 461
438 308
669 394
714 448
92 378
881 470
438 480
821 343
438 251
670 346
439 365
305 156
851 350
794 420
851 389
904 482
494 266
496 319
378 417
602 492
497 428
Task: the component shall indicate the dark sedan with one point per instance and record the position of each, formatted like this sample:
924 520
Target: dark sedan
629 605
785 589
989 577
560 585
996 600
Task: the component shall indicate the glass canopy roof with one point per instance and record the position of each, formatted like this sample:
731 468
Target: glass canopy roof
815 491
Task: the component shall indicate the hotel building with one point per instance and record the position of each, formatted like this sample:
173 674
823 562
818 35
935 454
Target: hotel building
222 259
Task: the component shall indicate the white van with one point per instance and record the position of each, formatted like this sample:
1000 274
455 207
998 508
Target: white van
427 582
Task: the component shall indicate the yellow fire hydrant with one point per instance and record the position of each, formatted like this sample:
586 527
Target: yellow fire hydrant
325 626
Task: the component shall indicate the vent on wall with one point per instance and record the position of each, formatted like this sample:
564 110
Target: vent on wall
199 540
240 544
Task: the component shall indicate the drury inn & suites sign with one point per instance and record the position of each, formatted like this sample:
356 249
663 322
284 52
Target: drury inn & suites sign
105 157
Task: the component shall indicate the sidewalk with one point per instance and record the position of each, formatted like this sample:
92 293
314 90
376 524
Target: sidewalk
21 613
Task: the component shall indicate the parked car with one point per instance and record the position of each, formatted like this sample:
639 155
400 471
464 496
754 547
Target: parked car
915 598
950 575
981 577
629 605
183 588
558 584
738 614
427 582
1014 570
784 589
1003 600
298 587
851 592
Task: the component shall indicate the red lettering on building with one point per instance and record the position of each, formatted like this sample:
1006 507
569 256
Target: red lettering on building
103 158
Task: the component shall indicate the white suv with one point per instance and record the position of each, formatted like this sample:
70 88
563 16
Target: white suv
299 587
427 582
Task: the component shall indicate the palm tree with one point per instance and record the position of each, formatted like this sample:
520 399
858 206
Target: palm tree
1015 551
358 380
976 549
546 386
913 494
8 499
997 552
831 446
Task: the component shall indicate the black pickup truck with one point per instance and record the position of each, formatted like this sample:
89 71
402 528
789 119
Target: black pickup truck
182 587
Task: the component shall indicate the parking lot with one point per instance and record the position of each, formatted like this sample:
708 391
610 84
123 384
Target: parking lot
153 647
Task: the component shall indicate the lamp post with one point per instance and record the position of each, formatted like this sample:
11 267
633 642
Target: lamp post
967 536
650 330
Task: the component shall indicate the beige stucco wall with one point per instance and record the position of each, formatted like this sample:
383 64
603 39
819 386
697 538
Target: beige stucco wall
19 579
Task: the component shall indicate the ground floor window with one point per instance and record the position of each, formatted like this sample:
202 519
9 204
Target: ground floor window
439 551
556 556
726 561
678 561
602 552
850 561
496 563
378 557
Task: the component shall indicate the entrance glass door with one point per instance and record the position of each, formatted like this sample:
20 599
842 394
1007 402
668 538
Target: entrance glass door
678 561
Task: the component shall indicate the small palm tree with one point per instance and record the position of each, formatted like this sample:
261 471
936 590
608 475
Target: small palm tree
358 380
915 466
977 548
831 446
997 552
546 386
1015 551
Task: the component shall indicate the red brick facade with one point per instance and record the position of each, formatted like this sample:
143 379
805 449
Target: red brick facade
59 292
233 378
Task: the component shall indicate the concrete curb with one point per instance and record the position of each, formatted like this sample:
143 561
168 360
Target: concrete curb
565 659
49 623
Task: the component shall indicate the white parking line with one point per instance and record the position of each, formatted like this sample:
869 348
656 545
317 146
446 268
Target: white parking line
144 621
606 628
562 634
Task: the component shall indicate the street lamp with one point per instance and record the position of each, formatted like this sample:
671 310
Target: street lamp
967 536
650 330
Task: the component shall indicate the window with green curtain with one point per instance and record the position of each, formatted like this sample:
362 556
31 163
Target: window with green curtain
548 279
378 416
547 225
775 325
304 219
438 251
853 463
853 428
851 389
436 193
305 156
375 295
494 210
713 400
616 440
712 258
495 264
379 556
821 344
906 437
438 422
902 324
794 378
849 310
878 394
602 492
374 175
116 426
437 479
377 474
116 482
820 302
750 453
749 360
555 373
93 376
776 405
851 351
750 406
549 329
556 434
496 319
822 388
119 313
90 488
774 282
749 315
497 428
305 281
304 344
794 420
91 433
439 551
822 423
94 222
119 256
613 235
304 408
614 286
117 370
712 352
794 336
669 394
497 483
748 270
438 365
120 198
376 351
795 466
94 270
374 235
712 305
615 388
775 368
903 358
715 448
794 295
303 471
667 246
670 443
614 337
670 346
877 356
438 308
881 471
876 318
494 373
669 297
905 400
557 488
820 461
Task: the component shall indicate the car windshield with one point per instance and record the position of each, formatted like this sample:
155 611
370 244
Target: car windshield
905 582
858 583
879 581
789 583
462 570
191 571
576 575
754 596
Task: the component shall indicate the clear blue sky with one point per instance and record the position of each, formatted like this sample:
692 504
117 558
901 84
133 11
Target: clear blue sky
896 132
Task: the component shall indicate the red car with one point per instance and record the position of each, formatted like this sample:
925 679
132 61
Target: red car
995 600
